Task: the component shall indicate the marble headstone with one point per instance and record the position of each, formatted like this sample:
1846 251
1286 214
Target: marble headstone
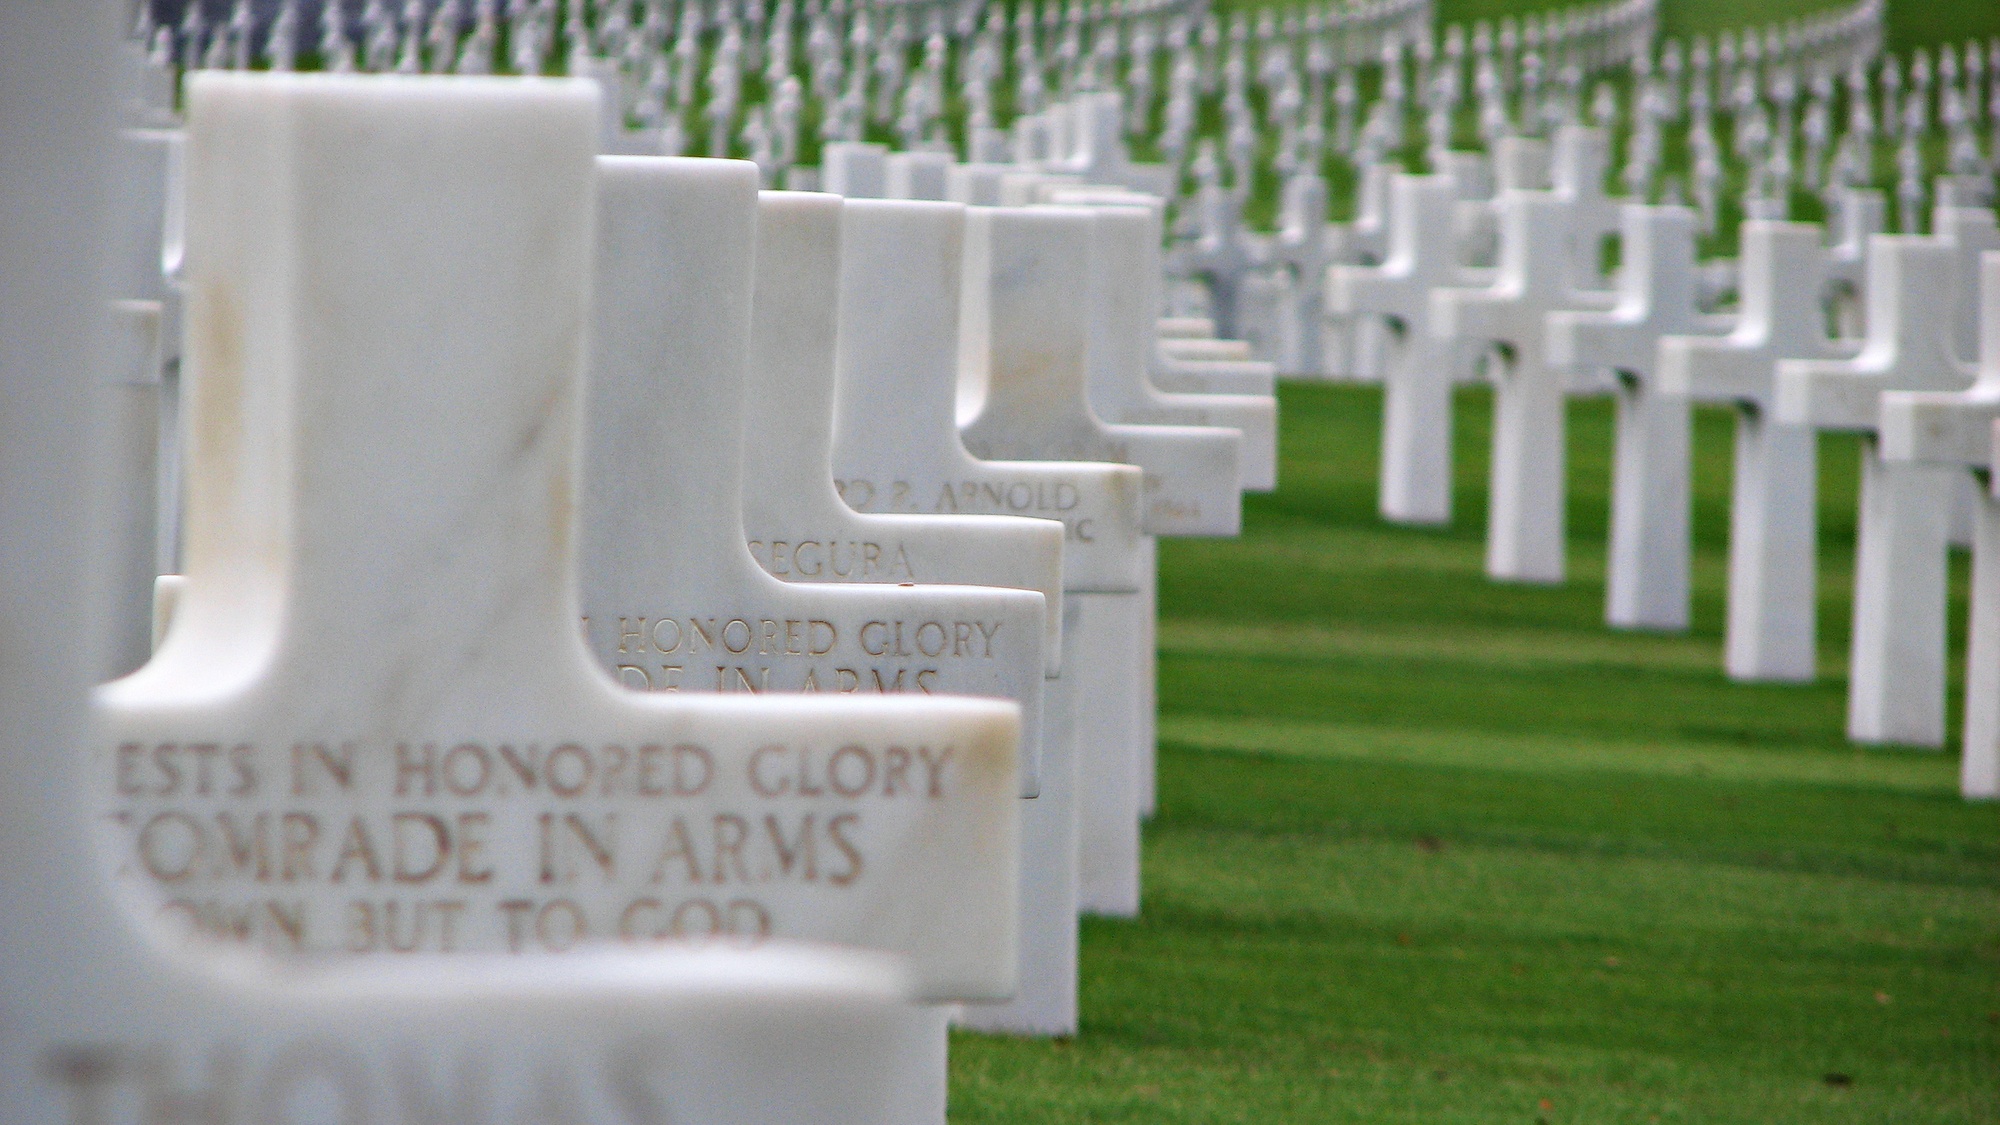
1525 519
373 729
1417 381
1647 579
1023 395
1896 673
673 599
110 1023
1773 604
897 449
1956 430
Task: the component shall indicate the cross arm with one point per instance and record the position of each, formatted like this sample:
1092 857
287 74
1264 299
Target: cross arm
1827 394
1471 314
1598 339
1360 290
1940 427
1716 369
1216 377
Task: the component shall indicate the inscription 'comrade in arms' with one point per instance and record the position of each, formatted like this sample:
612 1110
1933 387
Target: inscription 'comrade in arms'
183 809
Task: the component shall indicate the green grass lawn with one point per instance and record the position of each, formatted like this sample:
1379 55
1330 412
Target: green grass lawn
1436 850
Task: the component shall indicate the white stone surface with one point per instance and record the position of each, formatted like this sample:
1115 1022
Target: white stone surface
1298 255
1203 347
797 526
1022 392
1177 371
1979 769
1525 516
915 175
108 1024
372 717
143 345
975 184
1956 430
857 169
1773 508
1096 149
1023 395
1125 293
897 449
1646 580
1021 187
1578 161
1896 666
1862 214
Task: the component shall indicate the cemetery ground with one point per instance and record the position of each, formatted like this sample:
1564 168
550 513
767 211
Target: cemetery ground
1432 849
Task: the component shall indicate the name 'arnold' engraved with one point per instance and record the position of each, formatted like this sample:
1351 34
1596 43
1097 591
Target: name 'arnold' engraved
1044 499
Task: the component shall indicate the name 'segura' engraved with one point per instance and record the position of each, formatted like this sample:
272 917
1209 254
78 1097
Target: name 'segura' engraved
840 558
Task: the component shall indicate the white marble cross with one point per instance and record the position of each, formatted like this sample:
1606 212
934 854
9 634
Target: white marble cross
1646 580
1896 668
1525 517
1096 150
1580 158
1956 430
897 449
1862 214
1023 395
675 601
790 391
1023 383
1416 393
1773 507
373 728
1219 256
1971 231
1125 292
1364 240
798 527
1979 769
1304 246
139 406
